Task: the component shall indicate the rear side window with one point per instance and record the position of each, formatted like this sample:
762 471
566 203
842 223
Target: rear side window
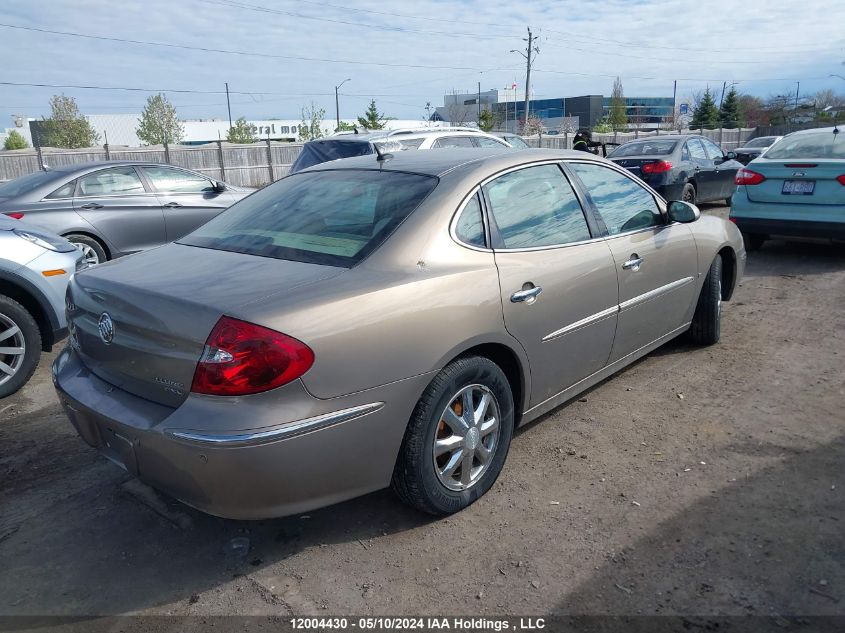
536 206
65 191
517 142
622 203
410 143
453 141
483 141
712 149
111 182
470 226
696 149
327 217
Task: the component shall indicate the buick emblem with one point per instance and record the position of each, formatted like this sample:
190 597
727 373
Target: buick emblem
106 328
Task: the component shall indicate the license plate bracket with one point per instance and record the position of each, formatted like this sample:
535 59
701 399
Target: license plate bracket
798 187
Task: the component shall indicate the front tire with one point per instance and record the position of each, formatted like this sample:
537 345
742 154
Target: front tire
20 346
706 322
457 439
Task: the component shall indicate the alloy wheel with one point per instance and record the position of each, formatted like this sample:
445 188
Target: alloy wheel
12 348
467 437
90 255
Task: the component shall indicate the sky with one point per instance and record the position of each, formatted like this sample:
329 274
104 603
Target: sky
279 55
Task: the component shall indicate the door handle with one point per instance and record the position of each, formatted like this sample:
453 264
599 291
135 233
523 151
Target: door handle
91 205
526 296
171 205
633 263
697 168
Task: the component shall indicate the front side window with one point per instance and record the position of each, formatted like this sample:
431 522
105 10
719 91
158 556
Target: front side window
453 141
111 182
169 180
334 217
470 226
623 204
536 206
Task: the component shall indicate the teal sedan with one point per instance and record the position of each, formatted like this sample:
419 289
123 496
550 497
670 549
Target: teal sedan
795 189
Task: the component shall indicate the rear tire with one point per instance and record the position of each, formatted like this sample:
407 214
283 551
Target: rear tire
706 322
95 253
429 473
18 331
688 193
753 241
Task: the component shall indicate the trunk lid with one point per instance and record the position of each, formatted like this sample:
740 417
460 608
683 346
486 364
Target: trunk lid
161 306
819 174
635 165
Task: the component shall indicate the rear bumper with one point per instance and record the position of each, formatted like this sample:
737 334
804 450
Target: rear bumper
318 452
789 220
790 228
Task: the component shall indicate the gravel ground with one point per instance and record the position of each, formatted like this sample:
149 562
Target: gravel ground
697 481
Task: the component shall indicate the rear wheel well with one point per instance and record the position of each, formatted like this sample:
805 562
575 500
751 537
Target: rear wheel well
93 237
728 272
32 306
509 363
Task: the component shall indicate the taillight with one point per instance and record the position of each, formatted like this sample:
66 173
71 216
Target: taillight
657 168
16 215
732 219
242 358
748 177
841 179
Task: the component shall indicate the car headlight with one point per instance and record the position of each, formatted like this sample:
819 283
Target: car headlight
45 240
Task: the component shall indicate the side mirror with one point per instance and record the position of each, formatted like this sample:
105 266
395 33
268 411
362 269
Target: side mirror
219 187
730 156
680 211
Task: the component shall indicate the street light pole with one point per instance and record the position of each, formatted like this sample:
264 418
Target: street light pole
337 102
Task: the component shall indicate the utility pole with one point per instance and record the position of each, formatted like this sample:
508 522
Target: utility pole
228 105
531 50
337 102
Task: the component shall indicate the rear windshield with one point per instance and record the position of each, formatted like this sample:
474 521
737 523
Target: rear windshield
326 217
645 148
317 152
763 141
25 184
821 144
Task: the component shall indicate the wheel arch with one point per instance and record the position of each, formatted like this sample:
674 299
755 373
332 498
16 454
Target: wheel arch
34 301
98 238
729 270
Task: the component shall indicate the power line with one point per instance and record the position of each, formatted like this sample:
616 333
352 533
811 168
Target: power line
205 49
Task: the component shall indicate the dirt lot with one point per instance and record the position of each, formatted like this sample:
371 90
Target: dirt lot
698 481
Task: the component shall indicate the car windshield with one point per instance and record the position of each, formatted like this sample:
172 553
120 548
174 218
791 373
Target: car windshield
644 148
763 141
326 217
821 144
25 184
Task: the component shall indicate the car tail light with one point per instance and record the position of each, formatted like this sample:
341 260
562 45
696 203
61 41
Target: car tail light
748 177
16 215
841 179
657 168
800 165
732 219
242 358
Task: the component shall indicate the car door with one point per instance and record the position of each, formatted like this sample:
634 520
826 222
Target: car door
725 169
558 283
706 179
116 202
189 200
656 263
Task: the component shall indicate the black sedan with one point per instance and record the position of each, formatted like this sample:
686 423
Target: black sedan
754 148
681 166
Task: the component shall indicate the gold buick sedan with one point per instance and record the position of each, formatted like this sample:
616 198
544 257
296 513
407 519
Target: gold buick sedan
382 320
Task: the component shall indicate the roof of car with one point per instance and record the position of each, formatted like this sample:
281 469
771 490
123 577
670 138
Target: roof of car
440 161
100 163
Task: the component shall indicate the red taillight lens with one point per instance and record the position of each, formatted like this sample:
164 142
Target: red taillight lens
241 358
17 215
657 168
748 177
841 179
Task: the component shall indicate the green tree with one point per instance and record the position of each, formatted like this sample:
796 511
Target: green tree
15 141
618 117
159 123
372 119
66 127
603 126
705 114
241 132
345 127
486 120
312 121
729 115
